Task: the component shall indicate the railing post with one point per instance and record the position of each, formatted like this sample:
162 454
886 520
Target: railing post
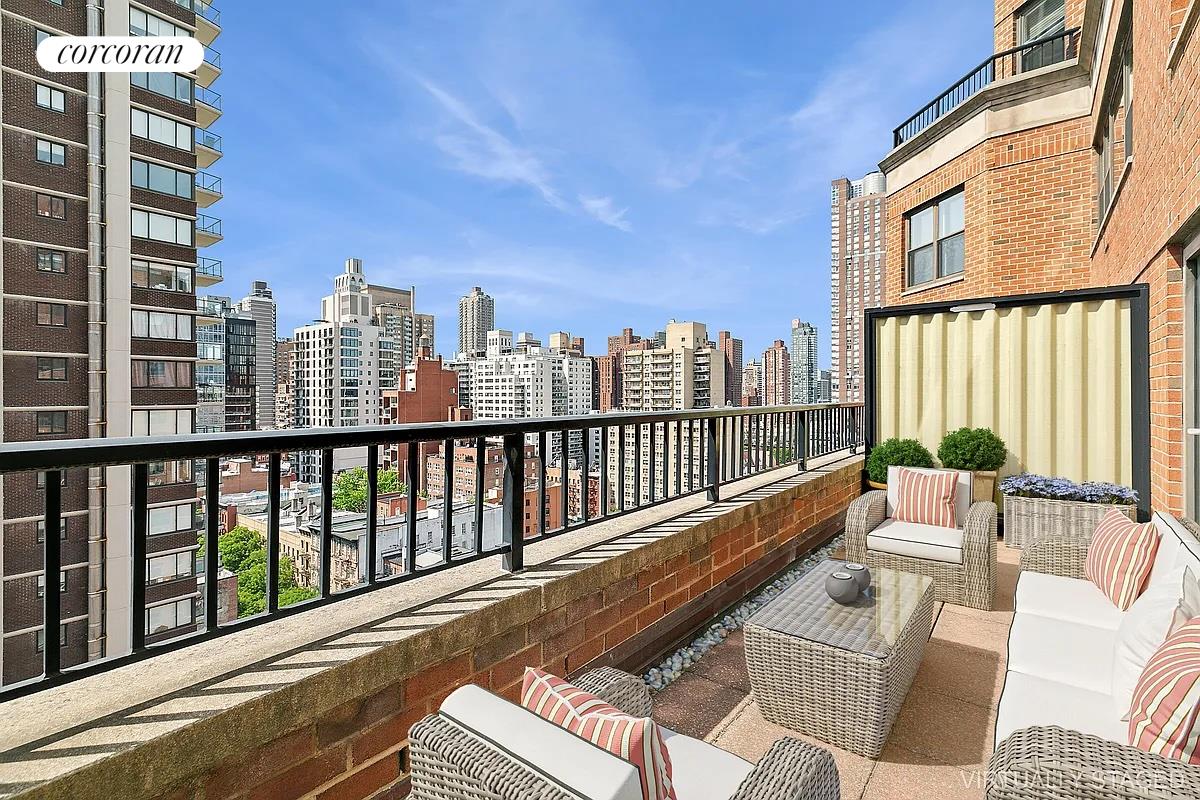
801 441
714 462
514 501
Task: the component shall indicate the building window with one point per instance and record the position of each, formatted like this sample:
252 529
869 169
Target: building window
161 569
51 153
40 36
162 325
1116 134
51 206
158 178
160 129
167 84
168 473
51 368
1036 20
142 23
167 277
52 314
162 374
41 480
51 98
162 422
170 519
51 260
170 616
162 227
936 239
51 422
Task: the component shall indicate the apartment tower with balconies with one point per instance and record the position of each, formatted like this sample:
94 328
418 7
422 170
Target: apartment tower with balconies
104 197
858 210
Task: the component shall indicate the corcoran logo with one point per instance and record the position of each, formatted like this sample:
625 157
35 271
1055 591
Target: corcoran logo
120 54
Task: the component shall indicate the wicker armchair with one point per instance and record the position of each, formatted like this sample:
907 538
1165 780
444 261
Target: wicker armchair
969 583
450 762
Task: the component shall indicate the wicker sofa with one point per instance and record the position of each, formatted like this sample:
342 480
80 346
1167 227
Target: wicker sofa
479 745
961 561
1059 732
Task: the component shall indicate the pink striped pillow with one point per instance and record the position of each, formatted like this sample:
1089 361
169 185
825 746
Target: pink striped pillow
1165 716
634 739
1120 557
926 497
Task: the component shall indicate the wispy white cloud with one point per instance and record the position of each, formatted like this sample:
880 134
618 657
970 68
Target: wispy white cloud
479 149
602 208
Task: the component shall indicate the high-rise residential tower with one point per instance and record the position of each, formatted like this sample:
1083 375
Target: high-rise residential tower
259 306
341 364
285 388
777 375
395 311
476 316
858 210
731 348
752 384
226 341
806 373
104 199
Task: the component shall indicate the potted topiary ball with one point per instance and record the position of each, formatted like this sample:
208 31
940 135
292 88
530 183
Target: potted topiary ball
978 451
895 453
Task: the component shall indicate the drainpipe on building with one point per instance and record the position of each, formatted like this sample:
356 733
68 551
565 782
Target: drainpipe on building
95 339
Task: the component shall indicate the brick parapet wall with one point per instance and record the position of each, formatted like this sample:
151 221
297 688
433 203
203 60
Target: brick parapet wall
341 732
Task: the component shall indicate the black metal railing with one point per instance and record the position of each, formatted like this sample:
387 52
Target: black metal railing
644 459
1042 52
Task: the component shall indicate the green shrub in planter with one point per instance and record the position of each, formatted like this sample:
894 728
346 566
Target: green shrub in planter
973 449
896 453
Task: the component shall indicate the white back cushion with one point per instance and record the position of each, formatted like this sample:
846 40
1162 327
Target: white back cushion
962 495
576 765
1143 629
1178 543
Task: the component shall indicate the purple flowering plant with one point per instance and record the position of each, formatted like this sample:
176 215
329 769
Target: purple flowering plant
1029 485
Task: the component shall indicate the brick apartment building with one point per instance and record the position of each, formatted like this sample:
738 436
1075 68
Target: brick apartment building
102 197
776 375
1078 166
731 348
429 394
608 368
858 241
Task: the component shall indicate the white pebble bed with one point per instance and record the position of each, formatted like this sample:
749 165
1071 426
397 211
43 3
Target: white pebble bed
662 676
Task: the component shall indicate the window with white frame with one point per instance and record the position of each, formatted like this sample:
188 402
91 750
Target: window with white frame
163 422
51 98
162 227
170 519
162 325
1116 131
169 616
936 239
1039 19
160 129
160 569
161 178
167 84
143 23
167 277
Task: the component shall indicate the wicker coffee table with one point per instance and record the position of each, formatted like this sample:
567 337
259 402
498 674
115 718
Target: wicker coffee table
839 673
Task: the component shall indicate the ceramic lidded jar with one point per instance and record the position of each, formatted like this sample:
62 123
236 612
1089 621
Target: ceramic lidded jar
861 573
842 587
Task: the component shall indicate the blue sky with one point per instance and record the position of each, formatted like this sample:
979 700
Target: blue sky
591 165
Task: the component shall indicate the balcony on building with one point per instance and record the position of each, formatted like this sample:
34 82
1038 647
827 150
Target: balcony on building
208 148
208 21
209 310
208 271
208 230
208 189
209 69
208 106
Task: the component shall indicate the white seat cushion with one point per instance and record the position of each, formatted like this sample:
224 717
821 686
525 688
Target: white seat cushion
1029 700
566 759
701 771
1065 652
918 541
1143 630
1068 599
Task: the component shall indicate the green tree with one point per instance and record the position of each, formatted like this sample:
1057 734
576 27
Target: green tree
350 488
244 553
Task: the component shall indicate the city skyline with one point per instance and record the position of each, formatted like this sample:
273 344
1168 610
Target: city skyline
696 201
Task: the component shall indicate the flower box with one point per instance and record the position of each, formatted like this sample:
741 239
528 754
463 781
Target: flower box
1029 518
1036 506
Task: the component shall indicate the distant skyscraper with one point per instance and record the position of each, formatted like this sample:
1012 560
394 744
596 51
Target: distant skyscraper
285 389
856 275
752 384
824 392
731 348
342 364
395 312
777 375
476 316
259 305
805 371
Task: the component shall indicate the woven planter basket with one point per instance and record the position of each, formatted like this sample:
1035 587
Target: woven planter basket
1029 518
